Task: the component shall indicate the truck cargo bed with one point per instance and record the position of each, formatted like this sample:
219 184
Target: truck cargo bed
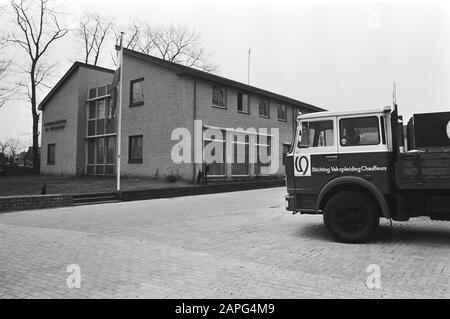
423 170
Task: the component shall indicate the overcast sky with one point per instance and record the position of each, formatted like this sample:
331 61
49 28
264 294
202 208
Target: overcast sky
333 54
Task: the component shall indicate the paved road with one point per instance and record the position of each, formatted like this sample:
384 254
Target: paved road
232 245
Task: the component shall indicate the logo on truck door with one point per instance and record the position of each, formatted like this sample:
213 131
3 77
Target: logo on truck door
302 165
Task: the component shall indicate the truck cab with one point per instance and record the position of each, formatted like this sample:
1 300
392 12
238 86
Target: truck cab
350 167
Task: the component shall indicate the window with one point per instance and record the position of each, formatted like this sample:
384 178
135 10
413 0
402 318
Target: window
219 98
241 153
135 149
383 134
101 91
316 134
263 153
264 110
282 112
92 93
91 120
100 119
101 156
215 168
98 92
243 103
51 154
359 131
137 92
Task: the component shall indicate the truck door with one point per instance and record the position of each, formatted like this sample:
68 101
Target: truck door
363 150
315 157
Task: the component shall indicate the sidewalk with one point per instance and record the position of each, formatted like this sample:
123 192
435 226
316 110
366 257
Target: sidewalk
135 192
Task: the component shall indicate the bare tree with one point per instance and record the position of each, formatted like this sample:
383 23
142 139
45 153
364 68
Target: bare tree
6 92
175 44
3 147
93 30
14 146
37 28
3 150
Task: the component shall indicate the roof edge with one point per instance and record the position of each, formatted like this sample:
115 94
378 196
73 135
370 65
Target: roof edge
184 70
66 76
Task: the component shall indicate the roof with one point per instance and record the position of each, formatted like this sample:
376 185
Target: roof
345 113
66 76
184 70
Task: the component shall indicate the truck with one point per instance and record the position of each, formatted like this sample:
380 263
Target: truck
356 167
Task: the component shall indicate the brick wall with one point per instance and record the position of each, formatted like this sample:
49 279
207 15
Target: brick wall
12 203
69 104
63 106
169 104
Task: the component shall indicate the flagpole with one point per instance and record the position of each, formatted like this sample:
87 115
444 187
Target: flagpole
119 116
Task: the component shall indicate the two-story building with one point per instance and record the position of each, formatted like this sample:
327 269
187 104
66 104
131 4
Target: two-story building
79 131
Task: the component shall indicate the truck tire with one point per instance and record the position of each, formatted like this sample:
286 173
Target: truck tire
351 217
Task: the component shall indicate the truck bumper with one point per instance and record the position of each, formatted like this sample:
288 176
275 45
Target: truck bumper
290 203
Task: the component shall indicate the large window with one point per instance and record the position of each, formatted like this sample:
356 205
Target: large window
51 154
282 116
359 131
217 147
219 97
137 92
263 150
98 92
135 149
317 134
243 103
241 151
101 156
101 128
264 107
100 119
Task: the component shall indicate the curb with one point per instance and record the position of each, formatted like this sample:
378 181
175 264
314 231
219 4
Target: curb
30 202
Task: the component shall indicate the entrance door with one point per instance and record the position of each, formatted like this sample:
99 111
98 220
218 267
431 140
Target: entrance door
316 154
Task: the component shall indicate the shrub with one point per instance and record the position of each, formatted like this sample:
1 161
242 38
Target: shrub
171 178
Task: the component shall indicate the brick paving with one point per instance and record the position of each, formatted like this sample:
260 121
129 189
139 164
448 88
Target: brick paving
232 245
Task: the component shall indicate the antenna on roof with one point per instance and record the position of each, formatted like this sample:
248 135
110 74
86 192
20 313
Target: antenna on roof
248 66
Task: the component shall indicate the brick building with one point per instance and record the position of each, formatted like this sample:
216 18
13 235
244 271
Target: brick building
79 133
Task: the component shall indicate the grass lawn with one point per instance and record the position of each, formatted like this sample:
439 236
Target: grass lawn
31 185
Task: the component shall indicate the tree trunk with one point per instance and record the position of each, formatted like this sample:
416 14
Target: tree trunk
36 161
35 115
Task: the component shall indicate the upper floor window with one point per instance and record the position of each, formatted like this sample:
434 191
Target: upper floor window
100 118
51 154
243 102
135 149
316 134
219 97
359 131
137 92
99 92
264 107
282 116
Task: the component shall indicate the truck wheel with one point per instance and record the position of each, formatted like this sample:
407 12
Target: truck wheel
351 217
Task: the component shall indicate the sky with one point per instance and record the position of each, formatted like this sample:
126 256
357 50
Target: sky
338 55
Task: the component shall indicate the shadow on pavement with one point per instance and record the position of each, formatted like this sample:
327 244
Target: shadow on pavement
400 233
425 234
